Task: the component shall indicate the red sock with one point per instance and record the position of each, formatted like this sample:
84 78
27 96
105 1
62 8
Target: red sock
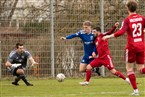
132 79
88 75
119 74
142 71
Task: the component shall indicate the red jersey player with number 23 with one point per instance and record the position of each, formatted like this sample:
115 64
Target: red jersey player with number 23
133 25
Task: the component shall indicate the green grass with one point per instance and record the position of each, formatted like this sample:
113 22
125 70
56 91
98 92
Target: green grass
99 87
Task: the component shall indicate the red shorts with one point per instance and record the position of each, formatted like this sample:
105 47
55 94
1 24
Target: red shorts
107 62
132 56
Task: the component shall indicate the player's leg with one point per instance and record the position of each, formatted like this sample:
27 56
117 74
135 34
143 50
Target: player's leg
88 75
130 57
119 74
94 63
132 77
83 64
13 72
140 62
95 69
15 82
110 66
140 68
82 67
21 74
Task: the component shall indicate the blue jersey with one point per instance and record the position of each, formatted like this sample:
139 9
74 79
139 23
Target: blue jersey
88 42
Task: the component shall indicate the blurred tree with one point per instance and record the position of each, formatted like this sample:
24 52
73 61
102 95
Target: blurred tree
7 8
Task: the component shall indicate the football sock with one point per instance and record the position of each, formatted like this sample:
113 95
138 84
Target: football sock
88 75
17 79
23 77
136 91
142 71
132 79
119 74
96 70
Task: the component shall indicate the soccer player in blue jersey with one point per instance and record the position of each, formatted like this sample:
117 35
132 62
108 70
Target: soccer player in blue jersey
17 62
87 38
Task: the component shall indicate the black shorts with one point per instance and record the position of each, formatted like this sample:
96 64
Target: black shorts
13 70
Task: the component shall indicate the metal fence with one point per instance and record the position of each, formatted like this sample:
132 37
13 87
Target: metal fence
39 24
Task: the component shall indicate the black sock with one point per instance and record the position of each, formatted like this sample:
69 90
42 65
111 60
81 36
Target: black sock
17 79
23 77
96 69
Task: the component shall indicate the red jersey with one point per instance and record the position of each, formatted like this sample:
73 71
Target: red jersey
102 45
133 25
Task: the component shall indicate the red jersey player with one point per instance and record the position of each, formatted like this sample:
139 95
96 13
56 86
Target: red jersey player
104 57
133 25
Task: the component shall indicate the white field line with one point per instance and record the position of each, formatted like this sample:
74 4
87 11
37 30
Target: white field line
77 94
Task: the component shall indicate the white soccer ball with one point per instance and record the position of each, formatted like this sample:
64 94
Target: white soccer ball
60 77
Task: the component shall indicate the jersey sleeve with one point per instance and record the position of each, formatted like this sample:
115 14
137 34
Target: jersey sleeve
110 31
73 35
123 28
11 56
28 54
94 49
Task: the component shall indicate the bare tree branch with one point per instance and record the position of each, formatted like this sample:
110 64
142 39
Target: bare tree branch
13 9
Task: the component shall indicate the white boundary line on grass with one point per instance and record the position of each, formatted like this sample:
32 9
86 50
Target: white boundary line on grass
77 94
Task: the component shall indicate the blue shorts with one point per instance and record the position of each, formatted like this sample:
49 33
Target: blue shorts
86 60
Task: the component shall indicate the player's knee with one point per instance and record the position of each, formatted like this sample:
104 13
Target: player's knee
89 67
141 71
82 70
129 69
113 71
20 71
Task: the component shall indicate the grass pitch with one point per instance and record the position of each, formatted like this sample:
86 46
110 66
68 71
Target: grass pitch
99 87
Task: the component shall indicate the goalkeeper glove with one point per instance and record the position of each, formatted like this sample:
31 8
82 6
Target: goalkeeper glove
15 65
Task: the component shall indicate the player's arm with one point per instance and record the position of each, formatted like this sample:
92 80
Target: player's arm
8 64
71 36
32 61
10 60
94 53
112 30
29 56
120 32
15 65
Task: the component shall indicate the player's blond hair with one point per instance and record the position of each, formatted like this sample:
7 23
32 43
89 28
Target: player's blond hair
87 23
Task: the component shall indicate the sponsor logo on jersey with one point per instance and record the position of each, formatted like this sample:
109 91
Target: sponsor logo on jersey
135 20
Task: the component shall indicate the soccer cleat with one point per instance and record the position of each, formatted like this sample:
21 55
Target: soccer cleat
29 84
97 71
14 83
127 80
84 83
134 94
